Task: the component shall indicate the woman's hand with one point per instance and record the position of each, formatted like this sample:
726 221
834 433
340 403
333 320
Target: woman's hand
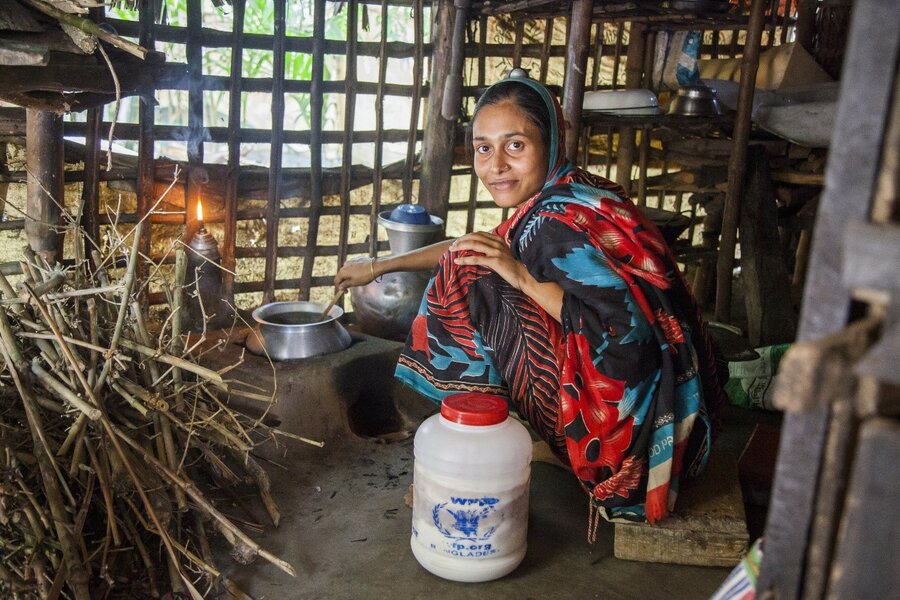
355 272
492 252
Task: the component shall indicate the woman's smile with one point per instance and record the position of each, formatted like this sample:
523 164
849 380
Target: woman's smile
510 158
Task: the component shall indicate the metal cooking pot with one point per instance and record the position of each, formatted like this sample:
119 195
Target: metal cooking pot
695 101
285 338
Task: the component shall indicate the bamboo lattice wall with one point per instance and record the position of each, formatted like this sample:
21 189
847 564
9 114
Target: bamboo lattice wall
309 219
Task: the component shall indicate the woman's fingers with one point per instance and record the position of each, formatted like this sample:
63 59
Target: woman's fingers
480 241
355 272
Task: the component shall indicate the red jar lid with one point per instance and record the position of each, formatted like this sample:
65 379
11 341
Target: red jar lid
475 409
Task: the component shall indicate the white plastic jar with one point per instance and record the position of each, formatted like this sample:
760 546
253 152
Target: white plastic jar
471 481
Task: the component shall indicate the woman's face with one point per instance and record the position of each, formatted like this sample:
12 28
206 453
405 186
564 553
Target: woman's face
510 157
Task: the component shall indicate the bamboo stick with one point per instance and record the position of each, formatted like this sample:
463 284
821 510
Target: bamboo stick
128 283
201 501
77 573
89 27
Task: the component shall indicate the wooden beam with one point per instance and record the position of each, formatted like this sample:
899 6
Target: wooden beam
21 54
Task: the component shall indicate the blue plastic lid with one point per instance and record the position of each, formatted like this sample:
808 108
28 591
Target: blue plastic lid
413 214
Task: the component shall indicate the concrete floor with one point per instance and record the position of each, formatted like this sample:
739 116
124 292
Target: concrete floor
345 527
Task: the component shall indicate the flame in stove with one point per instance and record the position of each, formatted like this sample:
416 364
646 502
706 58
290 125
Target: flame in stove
199 210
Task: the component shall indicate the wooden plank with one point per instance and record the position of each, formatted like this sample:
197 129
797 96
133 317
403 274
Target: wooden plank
14 53
871 256
798 177
14 17
865 564
838 454
708 526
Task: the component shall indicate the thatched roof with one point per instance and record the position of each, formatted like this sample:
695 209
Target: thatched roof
54 57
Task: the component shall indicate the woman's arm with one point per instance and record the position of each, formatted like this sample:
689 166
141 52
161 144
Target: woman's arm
360 271
493 253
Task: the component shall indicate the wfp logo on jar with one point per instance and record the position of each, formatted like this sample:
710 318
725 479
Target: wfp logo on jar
461 518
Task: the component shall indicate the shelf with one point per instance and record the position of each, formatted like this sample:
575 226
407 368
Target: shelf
605 119
637 11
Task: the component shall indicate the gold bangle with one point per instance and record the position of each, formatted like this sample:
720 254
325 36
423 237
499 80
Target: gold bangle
372 266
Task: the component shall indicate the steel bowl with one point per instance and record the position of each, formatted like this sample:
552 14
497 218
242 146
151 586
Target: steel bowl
695 101
283 339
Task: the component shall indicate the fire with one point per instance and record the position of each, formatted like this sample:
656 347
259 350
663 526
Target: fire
199 210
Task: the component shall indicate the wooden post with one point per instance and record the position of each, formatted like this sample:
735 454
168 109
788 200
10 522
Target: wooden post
45 190
576 68
273 200
196 176
229 241
437 146
315 147
737 162
806 23
349 117
770 316
377 171
416 102
90 191
146 120
634 65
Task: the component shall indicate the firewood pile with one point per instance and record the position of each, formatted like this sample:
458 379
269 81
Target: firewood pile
111 438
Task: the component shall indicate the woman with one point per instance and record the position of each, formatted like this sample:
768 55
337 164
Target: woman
572 308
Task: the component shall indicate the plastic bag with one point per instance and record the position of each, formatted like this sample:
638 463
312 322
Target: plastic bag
751 382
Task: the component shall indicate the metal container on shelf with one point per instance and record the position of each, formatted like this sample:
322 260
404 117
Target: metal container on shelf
695 101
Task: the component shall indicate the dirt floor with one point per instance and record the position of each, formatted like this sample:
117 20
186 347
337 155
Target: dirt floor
345 526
